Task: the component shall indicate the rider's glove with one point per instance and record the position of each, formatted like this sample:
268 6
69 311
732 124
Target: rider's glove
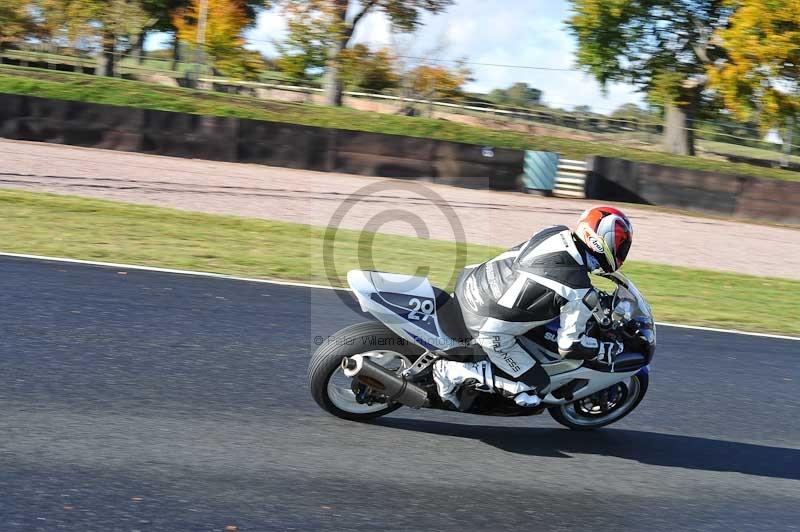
608 351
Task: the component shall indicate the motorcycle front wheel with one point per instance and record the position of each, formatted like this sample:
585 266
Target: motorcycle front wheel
336 393
604 407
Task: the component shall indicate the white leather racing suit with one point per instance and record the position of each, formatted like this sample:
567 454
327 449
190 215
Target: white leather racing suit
521 289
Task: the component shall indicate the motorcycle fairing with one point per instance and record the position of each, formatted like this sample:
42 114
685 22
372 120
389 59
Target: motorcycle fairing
404 303
399 304
541 342
596 380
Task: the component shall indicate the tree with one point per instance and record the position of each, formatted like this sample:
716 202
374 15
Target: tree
106 23
339 20
631 115
367 70
517 95
222 40
760 77
523 94
435 82
161 12
119 20
16 21
661 46
630 110
302 56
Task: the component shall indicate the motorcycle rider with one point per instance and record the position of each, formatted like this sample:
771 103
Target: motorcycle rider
529 285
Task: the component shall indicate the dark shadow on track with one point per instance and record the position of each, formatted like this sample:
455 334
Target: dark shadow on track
651 448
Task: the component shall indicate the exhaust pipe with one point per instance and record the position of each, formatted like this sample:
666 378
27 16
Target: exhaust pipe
395 387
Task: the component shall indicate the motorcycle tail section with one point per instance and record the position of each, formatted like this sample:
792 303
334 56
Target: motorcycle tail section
404 303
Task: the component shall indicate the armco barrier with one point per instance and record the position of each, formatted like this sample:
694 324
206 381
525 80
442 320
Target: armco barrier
621 180
254 141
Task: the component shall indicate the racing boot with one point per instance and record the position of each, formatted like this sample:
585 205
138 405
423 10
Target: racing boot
458 382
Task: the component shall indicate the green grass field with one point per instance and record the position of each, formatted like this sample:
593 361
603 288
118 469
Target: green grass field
81 228
745 151
80 87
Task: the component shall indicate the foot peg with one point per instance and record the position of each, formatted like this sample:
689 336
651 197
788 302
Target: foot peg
425 361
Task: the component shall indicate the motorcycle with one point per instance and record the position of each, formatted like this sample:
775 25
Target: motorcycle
370 369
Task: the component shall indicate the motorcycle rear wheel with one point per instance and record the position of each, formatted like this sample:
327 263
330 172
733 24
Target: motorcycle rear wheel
588 414
330 388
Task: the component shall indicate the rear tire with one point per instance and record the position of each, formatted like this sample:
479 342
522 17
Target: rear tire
570 415
353 340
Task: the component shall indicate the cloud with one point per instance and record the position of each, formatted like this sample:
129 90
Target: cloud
374 29
522 32
270 27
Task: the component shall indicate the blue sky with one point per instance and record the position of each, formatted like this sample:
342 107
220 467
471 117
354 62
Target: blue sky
517 32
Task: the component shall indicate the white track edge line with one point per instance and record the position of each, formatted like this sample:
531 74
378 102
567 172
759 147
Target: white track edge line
167 270
728 331
322 287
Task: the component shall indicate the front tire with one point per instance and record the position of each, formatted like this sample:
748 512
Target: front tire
587 413
330 388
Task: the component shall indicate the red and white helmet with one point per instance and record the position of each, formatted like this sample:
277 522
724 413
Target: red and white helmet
607 234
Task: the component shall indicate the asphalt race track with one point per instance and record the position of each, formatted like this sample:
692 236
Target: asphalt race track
149 401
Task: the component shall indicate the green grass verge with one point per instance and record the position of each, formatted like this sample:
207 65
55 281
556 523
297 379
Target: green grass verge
746 151
81 87
81 228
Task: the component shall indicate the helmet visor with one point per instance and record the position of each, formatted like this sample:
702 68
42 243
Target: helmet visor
622 251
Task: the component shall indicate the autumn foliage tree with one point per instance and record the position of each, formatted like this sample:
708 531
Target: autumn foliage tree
304 52
760 77
223 43
365 69
163 12
113 24
16 21
662 46
338 20
437 82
